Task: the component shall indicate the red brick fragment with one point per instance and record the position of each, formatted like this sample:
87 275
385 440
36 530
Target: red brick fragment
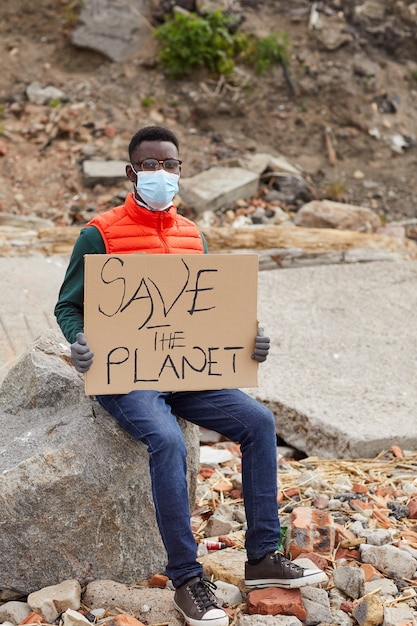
275 601
397 452
348 554
383 520
412 505
318 560
124 620
33 618
311 531
359 488
370 572
290 493
158 580
361 507
344 534
222 486
229 541
347 606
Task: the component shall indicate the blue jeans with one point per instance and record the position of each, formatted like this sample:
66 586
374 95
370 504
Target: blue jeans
150 417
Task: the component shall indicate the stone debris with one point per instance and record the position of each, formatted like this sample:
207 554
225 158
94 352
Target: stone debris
328 214
370 559
51 601
258 201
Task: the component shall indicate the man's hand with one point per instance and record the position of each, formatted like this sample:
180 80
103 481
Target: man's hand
81 355
262 345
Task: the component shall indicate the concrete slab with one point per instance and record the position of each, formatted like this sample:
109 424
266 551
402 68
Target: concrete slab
217 187
341 376
29 291
104 172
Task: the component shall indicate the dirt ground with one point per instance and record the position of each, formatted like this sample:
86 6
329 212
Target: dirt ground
347 116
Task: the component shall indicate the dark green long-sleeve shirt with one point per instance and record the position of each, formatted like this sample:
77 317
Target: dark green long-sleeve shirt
69 310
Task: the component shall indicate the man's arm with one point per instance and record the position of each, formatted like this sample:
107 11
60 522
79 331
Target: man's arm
69 310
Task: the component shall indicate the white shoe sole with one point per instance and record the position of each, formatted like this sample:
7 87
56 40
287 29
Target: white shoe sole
311 577
217 621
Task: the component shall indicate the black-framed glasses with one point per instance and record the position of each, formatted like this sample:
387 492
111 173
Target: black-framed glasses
151 165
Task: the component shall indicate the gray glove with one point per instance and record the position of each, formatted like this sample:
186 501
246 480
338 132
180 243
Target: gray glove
262 345
81 355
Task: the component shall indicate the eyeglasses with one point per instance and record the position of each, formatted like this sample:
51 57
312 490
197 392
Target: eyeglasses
151 165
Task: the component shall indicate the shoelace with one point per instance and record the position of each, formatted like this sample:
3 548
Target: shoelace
286 563
202 594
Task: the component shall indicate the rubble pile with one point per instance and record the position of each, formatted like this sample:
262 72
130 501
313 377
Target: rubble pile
355 519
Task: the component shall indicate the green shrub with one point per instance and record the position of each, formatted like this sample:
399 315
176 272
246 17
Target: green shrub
273 49
188 41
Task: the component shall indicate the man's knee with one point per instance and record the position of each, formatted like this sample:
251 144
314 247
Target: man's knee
265 419
171 441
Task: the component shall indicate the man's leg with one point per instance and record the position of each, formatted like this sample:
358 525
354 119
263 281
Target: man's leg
241 418
148 418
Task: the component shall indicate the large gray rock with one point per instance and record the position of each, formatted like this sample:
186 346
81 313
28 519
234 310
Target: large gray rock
115 28
140 602
75 492
329 214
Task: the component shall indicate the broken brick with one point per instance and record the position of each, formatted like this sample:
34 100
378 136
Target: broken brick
412 507
158 580
347 554
33 618
311 531
361 507
370 572
359 488
124 620
275 601
318 560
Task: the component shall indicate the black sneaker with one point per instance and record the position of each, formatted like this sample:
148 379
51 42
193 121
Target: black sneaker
198 604
276 571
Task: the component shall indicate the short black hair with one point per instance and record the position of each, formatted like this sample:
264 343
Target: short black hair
152 133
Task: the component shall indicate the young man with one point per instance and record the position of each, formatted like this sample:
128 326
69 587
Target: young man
148 222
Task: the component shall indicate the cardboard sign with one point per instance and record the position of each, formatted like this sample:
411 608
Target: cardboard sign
170 322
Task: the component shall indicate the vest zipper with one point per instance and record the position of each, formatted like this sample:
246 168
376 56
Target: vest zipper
161 217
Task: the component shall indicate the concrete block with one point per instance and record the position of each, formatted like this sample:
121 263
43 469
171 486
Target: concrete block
218 186
103 172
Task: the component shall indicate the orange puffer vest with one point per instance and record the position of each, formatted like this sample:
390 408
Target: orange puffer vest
131 228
